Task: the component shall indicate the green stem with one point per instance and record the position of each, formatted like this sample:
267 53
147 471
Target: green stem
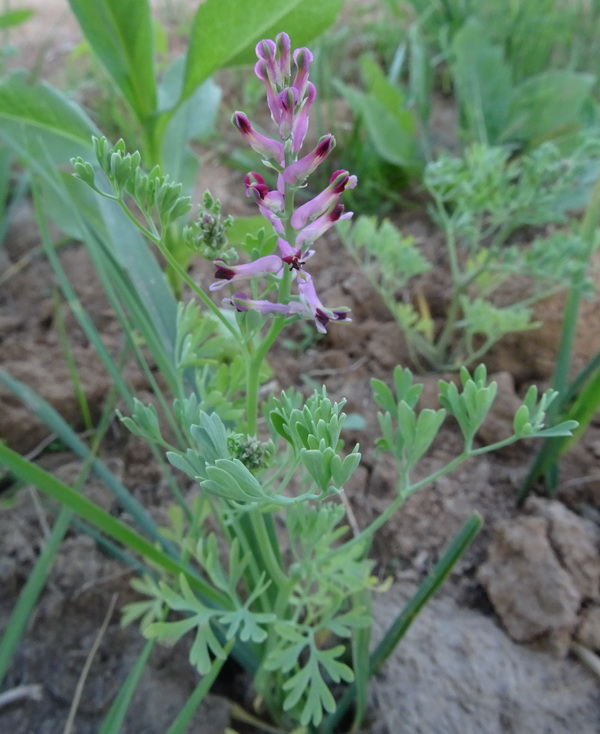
403 494
271 563
458 288
588 234
254 363
565 349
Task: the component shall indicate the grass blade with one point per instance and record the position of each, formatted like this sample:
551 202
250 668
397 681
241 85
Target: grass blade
57 424
113 721
184 717
105 522
396 632
440 572
31 591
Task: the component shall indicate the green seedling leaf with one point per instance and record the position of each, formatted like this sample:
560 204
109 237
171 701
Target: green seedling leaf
211 437
318 465
548 106
482 82
343 469
121 36
428 424
470 406
143 422
405 390
390 125
383 395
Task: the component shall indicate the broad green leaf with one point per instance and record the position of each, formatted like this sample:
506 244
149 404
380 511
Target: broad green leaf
121 35
548 105
118 247
391 96
39 116
194 119
391 126
225 32
482 82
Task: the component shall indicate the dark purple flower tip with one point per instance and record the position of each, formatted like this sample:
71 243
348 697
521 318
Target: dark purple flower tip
223 271
242 123
266 147
254 178
256 188
325 145
297 172
336 213
342 180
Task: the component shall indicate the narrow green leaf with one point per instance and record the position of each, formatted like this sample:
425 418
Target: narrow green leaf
31 591
120 34
12 18
440 572
113 721
57 424
397 630
102 520
185 715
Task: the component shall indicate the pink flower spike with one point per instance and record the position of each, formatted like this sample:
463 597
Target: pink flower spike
301 122
297 172
263 266
315 229
267 147
325 201
321 315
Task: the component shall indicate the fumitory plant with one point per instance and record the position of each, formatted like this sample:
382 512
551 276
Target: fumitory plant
479 201
266 568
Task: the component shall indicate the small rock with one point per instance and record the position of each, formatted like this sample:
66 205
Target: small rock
588 632
574 540
532 593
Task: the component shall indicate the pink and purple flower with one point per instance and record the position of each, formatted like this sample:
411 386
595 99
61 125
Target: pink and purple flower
290 95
